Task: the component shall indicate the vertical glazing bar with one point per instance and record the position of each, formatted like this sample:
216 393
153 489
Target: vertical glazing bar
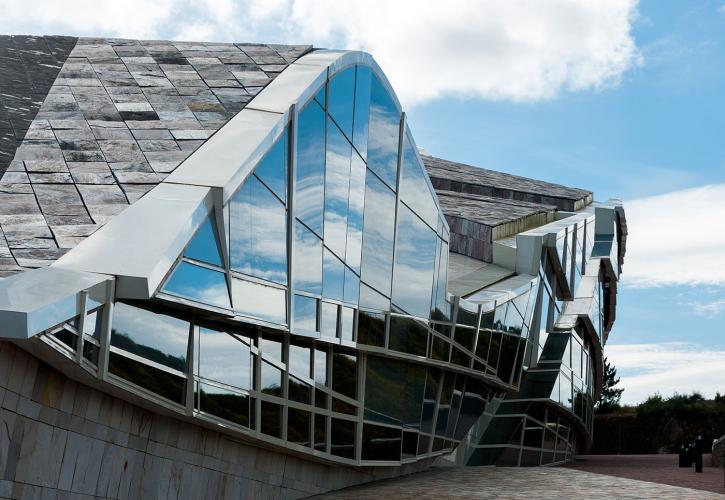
106 329
190 361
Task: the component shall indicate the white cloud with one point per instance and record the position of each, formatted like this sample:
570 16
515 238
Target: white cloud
676 238
709 309
666 368
518 50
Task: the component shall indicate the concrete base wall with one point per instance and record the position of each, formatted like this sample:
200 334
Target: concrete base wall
62 439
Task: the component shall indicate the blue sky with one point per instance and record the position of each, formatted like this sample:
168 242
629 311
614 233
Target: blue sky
621 97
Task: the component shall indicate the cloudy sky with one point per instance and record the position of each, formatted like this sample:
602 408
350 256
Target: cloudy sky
620 97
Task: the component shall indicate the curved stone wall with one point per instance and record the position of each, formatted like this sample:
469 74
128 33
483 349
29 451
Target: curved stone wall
57 436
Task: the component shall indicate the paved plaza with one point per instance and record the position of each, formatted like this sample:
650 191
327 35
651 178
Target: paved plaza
513 483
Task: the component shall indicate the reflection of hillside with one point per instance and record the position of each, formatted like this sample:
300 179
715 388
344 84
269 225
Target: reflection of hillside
123 341
149 378
229 406
394 391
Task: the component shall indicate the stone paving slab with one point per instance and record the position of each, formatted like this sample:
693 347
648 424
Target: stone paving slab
514 483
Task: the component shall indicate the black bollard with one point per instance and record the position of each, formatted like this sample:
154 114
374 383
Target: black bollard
683 457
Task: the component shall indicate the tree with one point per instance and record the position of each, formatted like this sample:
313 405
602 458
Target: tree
609 401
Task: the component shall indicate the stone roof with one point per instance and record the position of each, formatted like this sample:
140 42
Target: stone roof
451 176
487 209
89 125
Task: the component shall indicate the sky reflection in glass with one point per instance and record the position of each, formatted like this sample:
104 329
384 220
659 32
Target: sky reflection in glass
337 188
310 169
199 284
205 244
342 99
308 260
384 130
377 257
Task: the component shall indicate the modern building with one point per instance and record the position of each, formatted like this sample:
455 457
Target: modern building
229 271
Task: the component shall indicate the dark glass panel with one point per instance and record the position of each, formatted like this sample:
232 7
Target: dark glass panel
199 284
456 401
378 233
308 260
410 444
157 381
305 318
67 337
493 350
473 406
321 398
414 190
429 401
321 366
333 277
271 380
309 184
337 188
156 337
298 426
408 335
272 170
465 337
487 319
467 313
423 444
90 352
383 133
442 308
342 99
342 438
356 208
371 299
362 110
460 358
347 322
267 303
224 404
484 342
386 377
440 349
519 363
271 419
444 407
299 391
224 358
351 293
344 374
443 328
341 406
438 444
414 264
204 246
381 443
328 319
371 328
258 232
321 432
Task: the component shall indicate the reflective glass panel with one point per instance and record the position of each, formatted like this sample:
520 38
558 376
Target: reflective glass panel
386 377
351 294
298 426
152 379
414 264
308 260
271 380
342 99
92 324
310 170
408 335
204 246
333 276
414 190
356 207
371 328
199 284
321 432
381 443
224 358
328 319
342 438
321 366
344 374
346 323
371 299
271 348
299 361
156 337
224 404
299 391
272 170
259 301
305 318
271 417
362 110
258 232
442 308
384 129
337 187
378 234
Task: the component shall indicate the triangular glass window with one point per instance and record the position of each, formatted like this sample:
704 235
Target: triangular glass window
272 170
204 245
414 190
200 284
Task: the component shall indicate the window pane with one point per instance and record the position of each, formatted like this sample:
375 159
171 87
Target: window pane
381 443
310 171
351 294
377 256
299 391
258 232
157 381
344 374
271 382
408 335
362 110
342 98
383 134
356 207
371 299
305 315
298 361
333 276
321 366
414 190
414 264
406 381
272 170
308 260
93 323
343 438
271 417
260 301
347 322
371 328
224 358
199 284
156 337
204 246
298 429
442 309
328 319
224 404
337 186
321 432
